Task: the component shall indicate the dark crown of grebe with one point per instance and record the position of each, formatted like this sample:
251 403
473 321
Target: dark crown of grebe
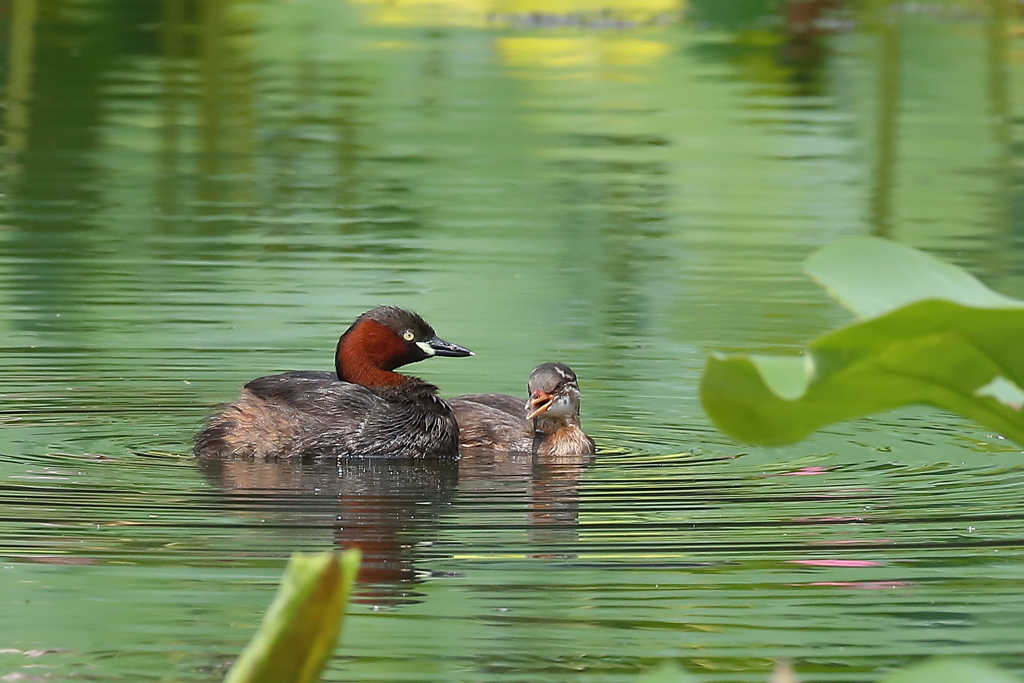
384 339
554 392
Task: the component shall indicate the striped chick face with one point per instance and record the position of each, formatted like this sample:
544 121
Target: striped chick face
554 392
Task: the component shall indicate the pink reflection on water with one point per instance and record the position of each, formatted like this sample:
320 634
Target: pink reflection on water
806 472
860 585
836 563
814 520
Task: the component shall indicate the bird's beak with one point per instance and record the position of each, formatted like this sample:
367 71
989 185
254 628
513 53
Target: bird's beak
439 347
539 403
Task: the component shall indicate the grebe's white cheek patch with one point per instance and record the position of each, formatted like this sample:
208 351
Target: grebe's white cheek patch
560 407
426 348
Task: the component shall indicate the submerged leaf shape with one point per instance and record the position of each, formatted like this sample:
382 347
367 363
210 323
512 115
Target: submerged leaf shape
951 671
939 351
301 627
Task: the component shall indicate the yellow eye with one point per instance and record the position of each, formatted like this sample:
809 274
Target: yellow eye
408 335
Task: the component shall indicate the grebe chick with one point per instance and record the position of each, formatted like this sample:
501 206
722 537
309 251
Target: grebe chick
363 408
547 424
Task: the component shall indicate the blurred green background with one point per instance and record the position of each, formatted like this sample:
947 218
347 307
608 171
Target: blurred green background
194 193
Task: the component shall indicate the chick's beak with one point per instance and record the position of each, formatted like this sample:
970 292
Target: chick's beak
439 347
539 403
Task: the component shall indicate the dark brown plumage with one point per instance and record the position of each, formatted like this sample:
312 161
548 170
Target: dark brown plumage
363 408
547 424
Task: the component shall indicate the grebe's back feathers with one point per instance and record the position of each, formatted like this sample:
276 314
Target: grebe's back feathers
312 413
493 421
500 402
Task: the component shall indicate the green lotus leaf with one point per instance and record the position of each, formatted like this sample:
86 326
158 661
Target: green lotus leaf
938 337
871 276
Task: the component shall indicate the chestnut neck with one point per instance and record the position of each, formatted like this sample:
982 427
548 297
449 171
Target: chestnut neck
367 354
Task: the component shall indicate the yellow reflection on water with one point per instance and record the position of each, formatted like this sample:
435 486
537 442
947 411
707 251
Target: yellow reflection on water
19 82
502 13
588 34
578 52
427 12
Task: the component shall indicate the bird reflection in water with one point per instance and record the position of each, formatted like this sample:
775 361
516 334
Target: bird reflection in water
549 485
393 509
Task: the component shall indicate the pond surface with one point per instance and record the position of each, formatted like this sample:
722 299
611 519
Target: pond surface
194 193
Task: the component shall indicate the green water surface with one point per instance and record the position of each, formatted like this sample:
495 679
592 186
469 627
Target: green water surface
194 193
